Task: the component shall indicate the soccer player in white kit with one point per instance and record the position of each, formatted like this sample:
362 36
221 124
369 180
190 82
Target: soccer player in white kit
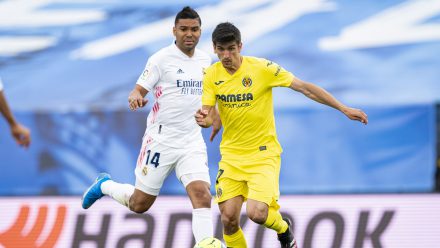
172 140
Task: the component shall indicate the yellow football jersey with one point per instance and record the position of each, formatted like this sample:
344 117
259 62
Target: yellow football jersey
246 107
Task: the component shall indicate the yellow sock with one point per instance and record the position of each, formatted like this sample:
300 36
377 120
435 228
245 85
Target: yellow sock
235 240
275 221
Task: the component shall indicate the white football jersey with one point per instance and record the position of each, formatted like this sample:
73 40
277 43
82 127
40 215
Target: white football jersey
175 80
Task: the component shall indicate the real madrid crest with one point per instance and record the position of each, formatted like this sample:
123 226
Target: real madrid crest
247 81
145 170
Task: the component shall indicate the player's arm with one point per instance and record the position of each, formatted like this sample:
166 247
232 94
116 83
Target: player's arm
208 115
320 95
204 116
216 123
146 82
136 98
21 134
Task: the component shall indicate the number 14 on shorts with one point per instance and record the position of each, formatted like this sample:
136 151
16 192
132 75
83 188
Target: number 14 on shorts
154 159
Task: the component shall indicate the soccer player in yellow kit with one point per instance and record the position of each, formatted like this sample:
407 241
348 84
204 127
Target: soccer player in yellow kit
241 87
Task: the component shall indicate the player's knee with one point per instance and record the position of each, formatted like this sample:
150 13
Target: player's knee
229 220
200 195
203 196
257 215
230 224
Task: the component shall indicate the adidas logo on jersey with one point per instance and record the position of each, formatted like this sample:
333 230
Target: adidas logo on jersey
180 71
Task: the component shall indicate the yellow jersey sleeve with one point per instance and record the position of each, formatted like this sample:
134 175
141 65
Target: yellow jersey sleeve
208 95
277 75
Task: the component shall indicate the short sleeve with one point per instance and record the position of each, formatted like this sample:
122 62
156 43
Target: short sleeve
1 84
208 96
279 77
149 77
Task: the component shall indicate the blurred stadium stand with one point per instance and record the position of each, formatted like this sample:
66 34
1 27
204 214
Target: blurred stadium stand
68 66
67 77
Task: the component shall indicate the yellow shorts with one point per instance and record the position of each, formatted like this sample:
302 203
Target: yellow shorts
257 180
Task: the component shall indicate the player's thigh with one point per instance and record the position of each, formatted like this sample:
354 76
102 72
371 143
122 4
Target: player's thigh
154 165
192 165
263 181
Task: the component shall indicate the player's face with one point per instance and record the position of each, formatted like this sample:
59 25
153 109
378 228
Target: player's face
187 33
229 54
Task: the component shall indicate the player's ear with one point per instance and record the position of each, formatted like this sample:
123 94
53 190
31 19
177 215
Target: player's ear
240 45
174 31
213 47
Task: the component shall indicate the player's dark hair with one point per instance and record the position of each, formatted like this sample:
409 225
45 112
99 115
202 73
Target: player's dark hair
226 32
187 13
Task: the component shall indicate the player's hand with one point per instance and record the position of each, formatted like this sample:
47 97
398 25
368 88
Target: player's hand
135 100
202 118
21 134
356 115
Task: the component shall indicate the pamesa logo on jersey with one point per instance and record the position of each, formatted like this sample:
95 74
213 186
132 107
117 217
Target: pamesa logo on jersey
247 81
243 97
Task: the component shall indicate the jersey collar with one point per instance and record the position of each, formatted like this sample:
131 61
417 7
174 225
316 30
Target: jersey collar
182 54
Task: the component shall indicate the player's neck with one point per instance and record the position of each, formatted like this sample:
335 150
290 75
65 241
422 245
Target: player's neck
187 52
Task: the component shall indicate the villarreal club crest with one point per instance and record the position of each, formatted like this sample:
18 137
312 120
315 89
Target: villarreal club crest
247 81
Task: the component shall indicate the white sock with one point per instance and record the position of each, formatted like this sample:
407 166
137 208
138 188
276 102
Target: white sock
202 226
118 191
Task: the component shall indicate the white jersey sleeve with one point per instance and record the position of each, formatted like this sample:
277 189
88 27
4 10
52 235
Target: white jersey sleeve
1 84
150 75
